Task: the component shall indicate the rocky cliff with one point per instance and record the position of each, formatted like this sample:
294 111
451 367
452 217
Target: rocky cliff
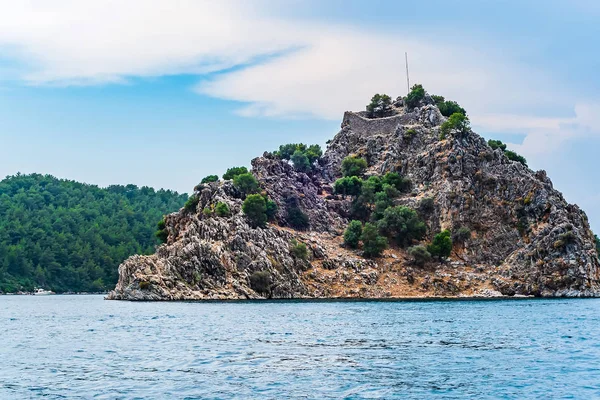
524 239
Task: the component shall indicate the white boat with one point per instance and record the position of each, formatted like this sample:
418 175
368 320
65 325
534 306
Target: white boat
42 292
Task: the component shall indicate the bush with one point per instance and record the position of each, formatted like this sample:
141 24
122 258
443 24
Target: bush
234 171
447 107
417 93
426 205
246 183
271 209
409 134
441 246
300 161
296 218
396 180
457 123
461 235
209 178
222 209
287 151
255 208
380 106
597 243
260 282
511 155
353 166
352 234
373 242
403 224
162 233
420 255
496 144
191 204
206 211
383 200
313 153
348 186
298 250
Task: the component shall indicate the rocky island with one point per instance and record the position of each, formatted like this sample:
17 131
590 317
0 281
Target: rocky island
406 201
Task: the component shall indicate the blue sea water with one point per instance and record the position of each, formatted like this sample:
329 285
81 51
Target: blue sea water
81 347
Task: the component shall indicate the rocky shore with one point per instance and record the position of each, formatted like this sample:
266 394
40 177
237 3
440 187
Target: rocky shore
524 238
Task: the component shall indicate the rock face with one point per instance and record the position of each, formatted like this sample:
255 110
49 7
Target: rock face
525 238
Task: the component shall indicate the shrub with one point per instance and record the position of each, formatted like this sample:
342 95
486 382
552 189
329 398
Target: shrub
380 106
206 211
597 243
426 205
511 155
441 246
191 204
222 209
313 153
448 107
353 166
271 209
461 235
383 200
300 161
286 151
397 181
369 188
420 255
209 178
162 233
348 186
409 134
255 208
373 242
457 123
403 224
496 144
260 281
417 93
246 183
296 218
144 285
298 250
352 234
233 172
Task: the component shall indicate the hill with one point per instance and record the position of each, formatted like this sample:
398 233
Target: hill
407 201
69 236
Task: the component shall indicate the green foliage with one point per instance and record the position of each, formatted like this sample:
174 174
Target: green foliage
448 107
144 285
162 233
353 166
417 93
313 153
68 236
255 208
396 180
207 212
426 205
300 161
441 246
597 244
457 123
287 150
420 255
511 155
261 282
296 218
373 242
352 234
384 200
409 134
209 178
461 235
380 106
191 204
222 209
271 209
246 183
403 224
233 172
298 250
348 186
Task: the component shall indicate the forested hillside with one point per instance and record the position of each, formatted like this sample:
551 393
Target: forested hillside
68 236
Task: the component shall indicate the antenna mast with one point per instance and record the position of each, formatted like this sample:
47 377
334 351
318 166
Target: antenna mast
407 77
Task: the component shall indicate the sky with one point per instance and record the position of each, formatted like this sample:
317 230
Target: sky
165 92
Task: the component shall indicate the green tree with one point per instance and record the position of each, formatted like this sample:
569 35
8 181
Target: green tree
300 161
162 233
191 204
222 209
396 180
380 106
353 166
209 178
373 243
403 224
314 152
352 234
255 208
348 186
496 144
441 246
417 93
419 254
296 218
246 183
271 209
457 123
447 107
233 172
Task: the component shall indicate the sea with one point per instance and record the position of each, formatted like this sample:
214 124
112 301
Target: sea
85 347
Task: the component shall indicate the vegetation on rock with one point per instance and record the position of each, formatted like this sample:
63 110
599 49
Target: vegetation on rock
419 254
380 106
298 250
255 208
246 183
373 243
353 166
209 179
402 224
458 124
222 209
448 107
233 172
417 93
352 234
511 155
261 281
441 246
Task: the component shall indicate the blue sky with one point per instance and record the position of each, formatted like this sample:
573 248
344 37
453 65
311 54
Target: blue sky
162 93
